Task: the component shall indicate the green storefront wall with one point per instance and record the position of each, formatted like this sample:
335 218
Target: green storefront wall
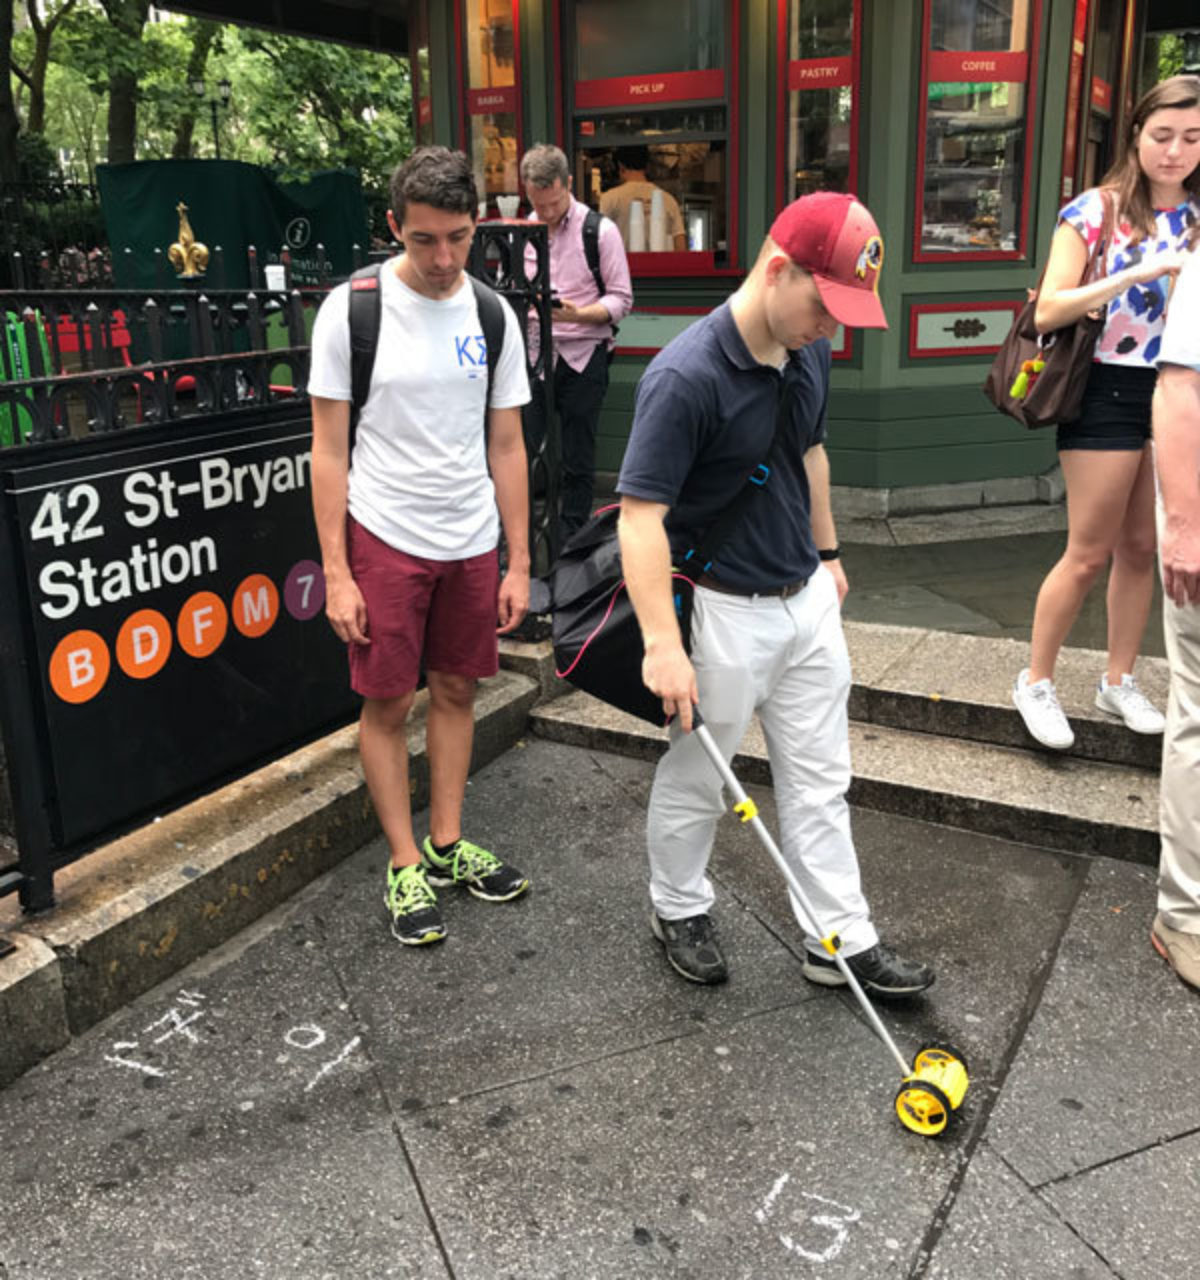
893 420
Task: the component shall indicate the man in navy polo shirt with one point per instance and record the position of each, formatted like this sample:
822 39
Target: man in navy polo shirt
766 625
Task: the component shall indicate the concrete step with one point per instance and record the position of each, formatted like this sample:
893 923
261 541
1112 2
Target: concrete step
1058 802
955 686
960 686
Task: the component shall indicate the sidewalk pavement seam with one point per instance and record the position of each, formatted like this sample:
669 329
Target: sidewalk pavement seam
517 1082
919 638
385 1097
1156 1145
993 1086
1051 1208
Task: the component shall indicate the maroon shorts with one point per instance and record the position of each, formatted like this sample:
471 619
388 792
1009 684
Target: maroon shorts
442 611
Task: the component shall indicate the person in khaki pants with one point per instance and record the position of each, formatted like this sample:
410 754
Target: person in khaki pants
1176 930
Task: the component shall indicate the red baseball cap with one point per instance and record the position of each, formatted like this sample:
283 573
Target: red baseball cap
834 238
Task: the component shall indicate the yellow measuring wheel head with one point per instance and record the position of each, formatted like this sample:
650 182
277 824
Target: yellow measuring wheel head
934 1091
923 1108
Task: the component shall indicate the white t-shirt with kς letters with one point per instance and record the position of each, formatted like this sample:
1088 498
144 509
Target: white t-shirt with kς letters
418 478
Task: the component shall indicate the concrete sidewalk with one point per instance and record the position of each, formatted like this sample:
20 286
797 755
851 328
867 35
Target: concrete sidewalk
542 1097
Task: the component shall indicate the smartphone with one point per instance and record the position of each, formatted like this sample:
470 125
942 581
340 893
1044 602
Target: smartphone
555 300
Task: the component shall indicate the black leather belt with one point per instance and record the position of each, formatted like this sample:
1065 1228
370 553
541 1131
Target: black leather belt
715 584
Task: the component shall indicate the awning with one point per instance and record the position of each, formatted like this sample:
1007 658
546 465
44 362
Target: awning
373 24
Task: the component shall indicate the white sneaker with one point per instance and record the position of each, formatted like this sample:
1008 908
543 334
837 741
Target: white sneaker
1038 705
1127 702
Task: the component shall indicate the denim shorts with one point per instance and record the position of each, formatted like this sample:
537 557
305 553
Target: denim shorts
1115 412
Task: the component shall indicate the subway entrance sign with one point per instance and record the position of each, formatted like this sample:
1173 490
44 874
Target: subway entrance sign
163 627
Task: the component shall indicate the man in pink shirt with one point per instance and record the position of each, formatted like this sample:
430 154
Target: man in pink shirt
586 314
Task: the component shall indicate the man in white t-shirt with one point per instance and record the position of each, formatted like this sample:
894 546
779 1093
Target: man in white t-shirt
1176 930
409 526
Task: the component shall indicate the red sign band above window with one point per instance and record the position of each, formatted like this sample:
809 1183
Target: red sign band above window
978 68
487 102
820 73
671 86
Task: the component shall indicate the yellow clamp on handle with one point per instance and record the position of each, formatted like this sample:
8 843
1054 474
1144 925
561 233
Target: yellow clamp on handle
746 810
832 944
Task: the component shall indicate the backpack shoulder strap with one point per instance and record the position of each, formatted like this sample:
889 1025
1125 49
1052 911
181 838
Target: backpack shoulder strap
591 247
491 320
366 315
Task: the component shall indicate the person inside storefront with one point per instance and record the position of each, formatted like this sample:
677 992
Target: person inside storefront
587 307
1153 197
746 388
635 188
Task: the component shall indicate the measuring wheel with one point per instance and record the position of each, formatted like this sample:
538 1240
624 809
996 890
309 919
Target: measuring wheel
923 1108
934 1091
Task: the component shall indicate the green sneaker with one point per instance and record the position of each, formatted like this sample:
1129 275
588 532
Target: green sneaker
413 906
482 872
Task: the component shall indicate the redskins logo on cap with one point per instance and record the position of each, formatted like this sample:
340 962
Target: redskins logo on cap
870 259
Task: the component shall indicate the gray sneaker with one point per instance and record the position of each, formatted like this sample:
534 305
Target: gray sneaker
692 948
1039 708
879 970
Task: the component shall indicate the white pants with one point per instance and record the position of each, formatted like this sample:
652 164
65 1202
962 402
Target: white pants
787 660
1179 806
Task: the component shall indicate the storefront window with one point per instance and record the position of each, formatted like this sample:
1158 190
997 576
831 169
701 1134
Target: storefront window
490 35
651 125
975 156
641 37
821 74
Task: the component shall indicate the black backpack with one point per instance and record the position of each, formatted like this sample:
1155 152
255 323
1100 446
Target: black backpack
366 315
591 247
591 251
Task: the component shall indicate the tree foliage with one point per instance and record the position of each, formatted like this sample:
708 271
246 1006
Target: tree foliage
117 86
8 113
44 18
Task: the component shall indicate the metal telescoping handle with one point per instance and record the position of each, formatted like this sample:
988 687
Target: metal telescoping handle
747 810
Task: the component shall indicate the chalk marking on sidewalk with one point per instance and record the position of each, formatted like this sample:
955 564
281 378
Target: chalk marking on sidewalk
126 1062
334 1062
839 1222
772 1195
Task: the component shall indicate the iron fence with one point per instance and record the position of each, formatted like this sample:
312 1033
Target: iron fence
58 223
79 365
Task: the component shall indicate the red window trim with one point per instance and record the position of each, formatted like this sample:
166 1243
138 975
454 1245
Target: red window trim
467 97
1031 55
634 91
916 309
732 151
783 76
1070 152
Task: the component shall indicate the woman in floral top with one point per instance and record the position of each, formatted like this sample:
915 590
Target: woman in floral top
1150 200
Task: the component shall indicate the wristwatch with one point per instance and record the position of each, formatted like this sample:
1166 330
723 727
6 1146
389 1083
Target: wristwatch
829 553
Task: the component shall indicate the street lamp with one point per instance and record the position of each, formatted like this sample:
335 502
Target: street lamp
224 90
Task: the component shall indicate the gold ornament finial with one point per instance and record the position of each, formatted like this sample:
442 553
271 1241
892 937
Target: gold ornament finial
188 256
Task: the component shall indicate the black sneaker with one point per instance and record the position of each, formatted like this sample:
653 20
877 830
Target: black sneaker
480 871
692 948
880 971
412 904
